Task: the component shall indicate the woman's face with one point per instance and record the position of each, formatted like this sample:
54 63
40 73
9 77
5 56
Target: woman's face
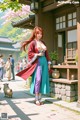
38 35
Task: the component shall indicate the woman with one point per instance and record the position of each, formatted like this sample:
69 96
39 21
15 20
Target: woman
1 67
8 69
38 65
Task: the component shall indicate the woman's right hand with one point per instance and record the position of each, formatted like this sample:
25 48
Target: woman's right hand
40 54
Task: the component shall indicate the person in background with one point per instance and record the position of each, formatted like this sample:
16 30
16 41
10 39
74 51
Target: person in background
1 67
24 59
38 66
18 67
12 66
8 69
21 65
24 64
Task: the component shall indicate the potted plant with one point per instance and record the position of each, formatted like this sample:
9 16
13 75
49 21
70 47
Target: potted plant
53 57
76 58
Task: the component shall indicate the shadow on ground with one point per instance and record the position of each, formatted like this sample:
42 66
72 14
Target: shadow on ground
18 97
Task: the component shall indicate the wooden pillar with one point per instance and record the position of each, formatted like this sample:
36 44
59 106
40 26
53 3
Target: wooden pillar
78 41
38 16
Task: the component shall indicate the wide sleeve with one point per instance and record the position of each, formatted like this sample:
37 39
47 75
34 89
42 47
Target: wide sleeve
32 56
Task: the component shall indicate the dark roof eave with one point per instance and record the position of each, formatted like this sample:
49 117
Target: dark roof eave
26 2
25 22
26 27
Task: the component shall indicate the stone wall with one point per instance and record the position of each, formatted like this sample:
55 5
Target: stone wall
63 91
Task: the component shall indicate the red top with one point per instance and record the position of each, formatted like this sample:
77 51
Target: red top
31 53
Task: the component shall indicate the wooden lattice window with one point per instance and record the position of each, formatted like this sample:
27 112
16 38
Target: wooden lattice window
72 19
71 45
60 22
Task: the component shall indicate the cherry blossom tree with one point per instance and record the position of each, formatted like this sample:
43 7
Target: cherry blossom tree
10 15
14 11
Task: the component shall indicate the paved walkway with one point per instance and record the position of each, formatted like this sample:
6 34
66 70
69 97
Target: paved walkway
22 107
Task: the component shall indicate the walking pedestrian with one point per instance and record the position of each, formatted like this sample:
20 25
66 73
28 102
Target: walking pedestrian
24 64
17 67
12 66
1 67
38 66
8 69
21 65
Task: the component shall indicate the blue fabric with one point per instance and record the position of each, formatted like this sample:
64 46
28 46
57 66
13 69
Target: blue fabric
1 73
12 61
44 86
12 67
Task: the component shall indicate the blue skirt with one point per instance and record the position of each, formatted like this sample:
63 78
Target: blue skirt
40 77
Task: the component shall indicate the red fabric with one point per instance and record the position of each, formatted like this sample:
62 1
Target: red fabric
30 69
50 71
31 52
27 72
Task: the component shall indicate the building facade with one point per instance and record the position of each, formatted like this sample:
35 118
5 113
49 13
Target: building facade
8 47
60 21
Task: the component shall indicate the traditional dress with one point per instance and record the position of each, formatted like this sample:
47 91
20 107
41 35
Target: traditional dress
8 69
38 69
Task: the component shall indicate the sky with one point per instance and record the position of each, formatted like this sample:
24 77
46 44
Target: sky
1 0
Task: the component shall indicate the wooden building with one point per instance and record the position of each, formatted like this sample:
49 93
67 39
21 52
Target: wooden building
8 47
60 21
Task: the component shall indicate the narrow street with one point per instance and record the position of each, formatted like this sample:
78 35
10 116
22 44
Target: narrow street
21 106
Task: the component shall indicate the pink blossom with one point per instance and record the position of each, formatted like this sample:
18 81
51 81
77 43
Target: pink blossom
10 14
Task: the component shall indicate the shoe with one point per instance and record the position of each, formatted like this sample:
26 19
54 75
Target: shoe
9 80
41 103
12 79
37 102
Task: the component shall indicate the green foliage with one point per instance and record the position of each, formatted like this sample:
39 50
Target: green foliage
13 33
53 55
23 54
10 4
76 58
4 30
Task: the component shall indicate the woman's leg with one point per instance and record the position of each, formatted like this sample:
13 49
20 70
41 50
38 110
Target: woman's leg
40 99
37 84
37 102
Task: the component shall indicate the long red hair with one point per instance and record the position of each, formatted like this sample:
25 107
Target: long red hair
36 30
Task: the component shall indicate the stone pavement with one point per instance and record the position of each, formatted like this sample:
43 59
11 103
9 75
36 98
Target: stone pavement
21 106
